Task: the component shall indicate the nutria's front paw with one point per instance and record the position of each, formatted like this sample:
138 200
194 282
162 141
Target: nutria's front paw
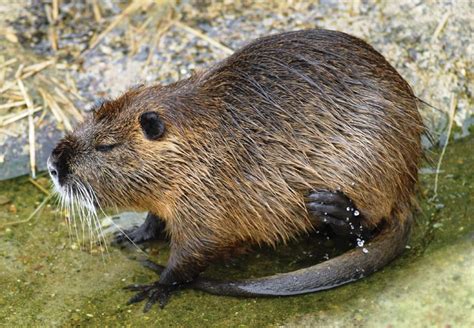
336 210
136 235
153 293
152 229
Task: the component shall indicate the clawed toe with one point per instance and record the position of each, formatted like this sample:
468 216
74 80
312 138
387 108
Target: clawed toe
138 297
123 237
153 293
152 229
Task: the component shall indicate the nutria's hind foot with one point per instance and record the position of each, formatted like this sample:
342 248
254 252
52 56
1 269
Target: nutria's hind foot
336 210
152 229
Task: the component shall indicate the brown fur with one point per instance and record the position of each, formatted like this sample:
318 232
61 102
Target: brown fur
248 138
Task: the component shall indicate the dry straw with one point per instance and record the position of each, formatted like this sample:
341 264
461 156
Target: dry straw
31 127
452 112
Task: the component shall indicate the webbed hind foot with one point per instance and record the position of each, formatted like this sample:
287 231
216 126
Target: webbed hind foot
336 210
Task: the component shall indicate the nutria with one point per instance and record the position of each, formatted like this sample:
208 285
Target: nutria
292 132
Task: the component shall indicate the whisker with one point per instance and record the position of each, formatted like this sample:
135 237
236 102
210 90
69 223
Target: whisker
80 203
71 213
118 228
86 213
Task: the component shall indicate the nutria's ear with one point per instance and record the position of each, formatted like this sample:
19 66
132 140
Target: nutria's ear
152 125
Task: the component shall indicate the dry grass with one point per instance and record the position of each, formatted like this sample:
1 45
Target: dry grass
127 12
21 83
29 87
203 36
452 112
31 216
31 127
441 25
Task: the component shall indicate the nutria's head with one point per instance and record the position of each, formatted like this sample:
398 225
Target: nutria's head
117 157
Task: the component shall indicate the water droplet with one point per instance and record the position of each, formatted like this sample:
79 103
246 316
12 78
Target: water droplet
348 209
356 213
365 250
325 213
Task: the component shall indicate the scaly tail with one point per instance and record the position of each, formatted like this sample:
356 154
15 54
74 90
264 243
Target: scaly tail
348 267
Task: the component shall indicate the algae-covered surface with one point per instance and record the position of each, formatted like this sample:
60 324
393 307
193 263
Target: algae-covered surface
48 278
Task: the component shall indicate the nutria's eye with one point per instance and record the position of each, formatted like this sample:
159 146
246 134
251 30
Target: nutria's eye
152 125
105 148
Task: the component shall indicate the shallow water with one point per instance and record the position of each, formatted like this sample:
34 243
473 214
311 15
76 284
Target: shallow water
48 279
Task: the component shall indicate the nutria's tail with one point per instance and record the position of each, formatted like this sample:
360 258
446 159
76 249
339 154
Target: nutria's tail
351 266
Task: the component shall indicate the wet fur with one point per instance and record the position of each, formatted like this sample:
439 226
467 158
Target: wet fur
248 138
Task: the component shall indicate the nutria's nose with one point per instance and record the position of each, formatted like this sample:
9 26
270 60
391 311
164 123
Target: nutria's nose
57 163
